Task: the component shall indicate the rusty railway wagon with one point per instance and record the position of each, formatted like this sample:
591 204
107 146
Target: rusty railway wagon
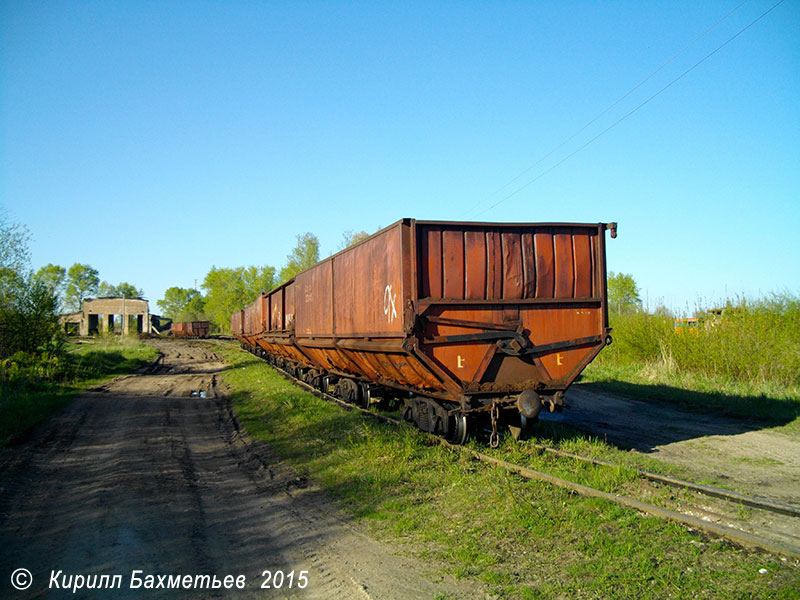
190 329
466 322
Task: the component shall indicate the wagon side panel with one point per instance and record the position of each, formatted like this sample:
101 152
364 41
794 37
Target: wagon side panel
368 290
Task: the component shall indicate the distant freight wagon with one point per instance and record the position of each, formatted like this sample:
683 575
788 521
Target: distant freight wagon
197 329
466 322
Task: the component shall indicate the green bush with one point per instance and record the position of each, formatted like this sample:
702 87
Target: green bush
34 384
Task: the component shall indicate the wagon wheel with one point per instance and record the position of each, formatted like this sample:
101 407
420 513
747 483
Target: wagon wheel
458 431
363 398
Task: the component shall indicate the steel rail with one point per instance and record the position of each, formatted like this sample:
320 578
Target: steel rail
742 538
708 490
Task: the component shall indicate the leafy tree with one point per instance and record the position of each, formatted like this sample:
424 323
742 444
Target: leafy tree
351 239
229 290
105 289
129 290
14 257
195 309
623 293
125 289
82 282
12 285
28 307
303 256
182 304
54 277
14 252
29 319
257 280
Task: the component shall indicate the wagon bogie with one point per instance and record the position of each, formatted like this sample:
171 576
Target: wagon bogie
349 390
434 417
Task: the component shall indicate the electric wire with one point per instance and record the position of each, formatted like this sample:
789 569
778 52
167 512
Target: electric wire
634 110
613 104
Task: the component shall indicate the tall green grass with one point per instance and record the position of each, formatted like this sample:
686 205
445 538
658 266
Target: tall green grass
743 363
753 341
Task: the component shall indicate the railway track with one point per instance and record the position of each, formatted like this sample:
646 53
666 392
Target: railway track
703 523
707 490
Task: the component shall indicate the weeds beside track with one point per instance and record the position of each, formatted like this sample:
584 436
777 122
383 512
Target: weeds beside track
744 362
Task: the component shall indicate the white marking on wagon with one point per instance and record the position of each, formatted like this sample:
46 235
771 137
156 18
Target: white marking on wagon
389 300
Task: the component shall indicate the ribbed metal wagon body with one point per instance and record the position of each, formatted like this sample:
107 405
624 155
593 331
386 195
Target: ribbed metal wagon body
456 311
237 325
201 328
253 320
278 338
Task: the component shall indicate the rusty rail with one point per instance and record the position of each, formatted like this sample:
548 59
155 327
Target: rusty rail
740 537
708 490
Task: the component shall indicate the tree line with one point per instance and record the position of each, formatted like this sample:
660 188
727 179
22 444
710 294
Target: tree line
30 302
72 286
225 290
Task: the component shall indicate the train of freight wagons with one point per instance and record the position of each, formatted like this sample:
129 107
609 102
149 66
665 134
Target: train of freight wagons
470 325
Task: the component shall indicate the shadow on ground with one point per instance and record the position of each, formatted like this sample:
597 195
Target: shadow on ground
617 412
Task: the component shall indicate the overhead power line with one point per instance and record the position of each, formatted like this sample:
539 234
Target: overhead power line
631 112
613 104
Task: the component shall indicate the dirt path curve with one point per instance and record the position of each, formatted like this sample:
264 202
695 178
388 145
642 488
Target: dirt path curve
151 473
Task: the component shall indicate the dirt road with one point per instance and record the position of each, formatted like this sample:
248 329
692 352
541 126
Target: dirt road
151 474
748 457
733 453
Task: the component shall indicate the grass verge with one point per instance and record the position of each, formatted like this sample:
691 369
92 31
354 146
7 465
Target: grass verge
521 539
772 405
742 360
32 391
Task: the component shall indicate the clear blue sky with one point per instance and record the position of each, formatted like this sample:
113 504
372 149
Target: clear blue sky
153 140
